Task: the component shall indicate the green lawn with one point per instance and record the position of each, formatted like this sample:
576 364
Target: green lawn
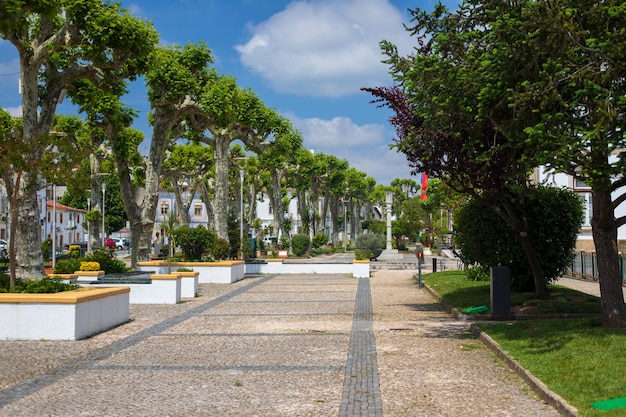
577 359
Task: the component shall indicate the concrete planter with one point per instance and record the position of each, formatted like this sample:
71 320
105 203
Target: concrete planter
70 315
189 283
358 269
66 278
88 275
160 289
219 272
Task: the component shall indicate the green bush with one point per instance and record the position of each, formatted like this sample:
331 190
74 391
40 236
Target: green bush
194 242
66 266
360 254
319 240
300 244
108 263
478 273
41 286
184 270
371 241
46 250
220 249
555 218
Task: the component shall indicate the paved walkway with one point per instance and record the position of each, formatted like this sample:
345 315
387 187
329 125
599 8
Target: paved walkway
306 345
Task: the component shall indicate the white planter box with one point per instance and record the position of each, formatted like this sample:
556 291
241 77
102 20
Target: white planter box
219 272
164 289
358 269
87 276
189 283
70 315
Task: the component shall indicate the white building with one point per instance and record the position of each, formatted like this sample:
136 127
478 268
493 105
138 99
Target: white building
585 237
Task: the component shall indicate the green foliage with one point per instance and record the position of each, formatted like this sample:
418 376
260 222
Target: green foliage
319 240
194 242
478 273
41 286
184 269
73 251
360 254
220 249
108 263
67 266
556 215
300 244
376 226
46 250
371 241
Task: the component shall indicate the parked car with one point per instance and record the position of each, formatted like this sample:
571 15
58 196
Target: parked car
109 243
4 248
119 243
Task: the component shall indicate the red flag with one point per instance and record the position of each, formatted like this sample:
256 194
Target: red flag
424 185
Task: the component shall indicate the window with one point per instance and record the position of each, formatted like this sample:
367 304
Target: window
61 218
580 185
197 210
271 208
165 208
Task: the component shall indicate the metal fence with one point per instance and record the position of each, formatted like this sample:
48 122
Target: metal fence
585 266
447 264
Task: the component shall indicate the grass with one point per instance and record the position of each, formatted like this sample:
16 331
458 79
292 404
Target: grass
576 358
464 294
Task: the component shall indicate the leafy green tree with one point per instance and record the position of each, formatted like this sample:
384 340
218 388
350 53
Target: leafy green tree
59 42
556 215
453 116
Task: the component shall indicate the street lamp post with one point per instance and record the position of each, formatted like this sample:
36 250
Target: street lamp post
103 185
54 224
241 177
389 201
88 226
241 209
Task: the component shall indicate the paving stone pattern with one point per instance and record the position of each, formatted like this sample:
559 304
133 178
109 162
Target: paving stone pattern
279 345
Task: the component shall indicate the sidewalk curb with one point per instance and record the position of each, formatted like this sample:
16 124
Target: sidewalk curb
535 384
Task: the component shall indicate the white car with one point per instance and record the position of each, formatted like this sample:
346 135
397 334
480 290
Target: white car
119 243
4 248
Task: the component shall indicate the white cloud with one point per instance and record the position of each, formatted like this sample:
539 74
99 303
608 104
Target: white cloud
339 132
365 147
14 111
325 47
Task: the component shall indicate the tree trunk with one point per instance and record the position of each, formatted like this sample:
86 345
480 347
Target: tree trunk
29 258
604 229
220 209
276 197
333 205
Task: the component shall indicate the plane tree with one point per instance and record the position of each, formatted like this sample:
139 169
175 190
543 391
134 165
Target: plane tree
230 113
59 42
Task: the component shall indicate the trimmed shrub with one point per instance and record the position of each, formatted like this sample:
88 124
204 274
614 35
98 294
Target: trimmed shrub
220 249
319 240
108 263
361 254
300 244
194 242
555 218
89 266
42 286
371 241
66 266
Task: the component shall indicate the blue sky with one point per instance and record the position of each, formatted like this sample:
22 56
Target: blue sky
307 59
